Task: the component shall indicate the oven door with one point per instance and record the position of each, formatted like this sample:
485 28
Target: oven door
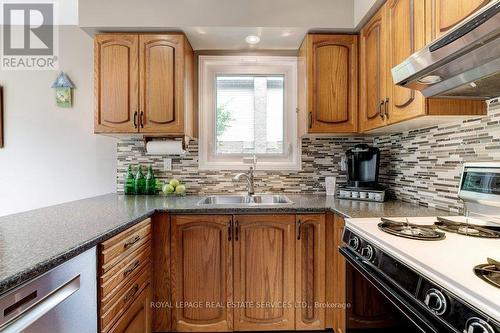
404 302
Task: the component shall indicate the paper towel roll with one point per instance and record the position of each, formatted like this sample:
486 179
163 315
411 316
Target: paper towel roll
164 147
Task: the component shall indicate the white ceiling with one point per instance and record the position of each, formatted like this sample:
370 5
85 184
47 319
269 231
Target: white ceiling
224 24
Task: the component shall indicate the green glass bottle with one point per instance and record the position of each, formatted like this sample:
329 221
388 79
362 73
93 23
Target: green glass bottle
129 185
140 181
150 181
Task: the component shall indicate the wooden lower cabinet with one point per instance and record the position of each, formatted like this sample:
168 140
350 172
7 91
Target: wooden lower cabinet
124 281
239 272
201 273
310 270
264 252
137 318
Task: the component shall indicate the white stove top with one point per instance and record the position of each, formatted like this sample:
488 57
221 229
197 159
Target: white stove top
448 262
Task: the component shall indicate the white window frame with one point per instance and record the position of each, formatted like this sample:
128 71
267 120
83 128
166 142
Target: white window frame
209 67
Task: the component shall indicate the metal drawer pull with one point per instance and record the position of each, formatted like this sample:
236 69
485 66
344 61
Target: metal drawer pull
132 241
131 293
131 268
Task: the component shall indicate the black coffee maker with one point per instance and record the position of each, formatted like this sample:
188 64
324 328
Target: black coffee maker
362 167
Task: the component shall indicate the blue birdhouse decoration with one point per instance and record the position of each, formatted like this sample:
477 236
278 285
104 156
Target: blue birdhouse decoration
64 90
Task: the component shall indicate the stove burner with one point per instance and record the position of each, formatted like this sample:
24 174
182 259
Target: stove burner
408 230
489 272
466 229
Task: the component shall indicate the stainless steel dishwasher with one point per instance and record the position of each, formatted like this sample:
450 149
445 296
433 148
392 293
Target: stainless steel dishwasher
61 300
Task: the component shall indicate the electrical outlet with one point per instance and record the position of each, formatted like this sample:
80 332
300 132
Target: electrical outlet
343 164
167 164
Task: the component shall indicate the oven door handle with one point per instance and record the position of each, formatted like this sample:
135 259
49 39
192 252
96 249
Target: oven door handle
398 299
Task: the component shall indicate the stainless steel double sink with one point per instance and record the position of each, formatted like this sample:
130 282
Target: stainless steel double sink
247 200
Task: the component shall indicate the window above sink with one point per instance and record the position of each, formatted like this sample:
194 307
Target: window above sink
248 108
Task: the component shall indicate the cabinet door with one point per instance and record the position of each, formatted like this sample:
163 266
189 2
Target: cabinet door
264 252
445 14
137 318
337 274
405 35
116 83
201 260
333 83
161 72
373 72
310 272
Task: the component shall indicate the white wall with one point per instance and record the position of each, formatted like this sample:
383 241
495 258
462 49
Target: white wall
51 155
335 14
363 10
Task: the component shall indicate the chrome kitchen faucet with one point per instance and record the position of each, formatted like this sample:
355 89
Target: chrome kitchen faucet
249 178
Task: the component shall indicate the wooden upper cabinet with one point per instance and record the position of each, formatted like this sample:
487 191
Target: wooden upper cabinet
393 34
201 259
373 72
264 252
159 54
159 92
405 35
310 272
116 83
328 71
445 14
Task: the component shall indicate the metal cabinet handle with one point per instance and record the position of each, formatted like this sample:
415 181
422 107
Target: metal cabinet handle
135 119
141 120
131 293
386 108
132 241
131 268
236 230
381 104
310 119
229 229
298 226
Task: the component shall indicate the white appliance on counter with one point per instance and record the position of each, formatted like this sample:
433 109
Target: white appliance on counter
442 273
60 301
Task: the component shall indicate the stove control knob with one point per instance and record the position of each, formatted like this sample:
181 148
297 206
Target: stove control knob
435 301
354 242
477 325
367 252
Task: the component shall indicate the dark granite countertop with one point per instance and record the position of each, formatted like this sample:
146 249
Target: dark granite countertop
34 242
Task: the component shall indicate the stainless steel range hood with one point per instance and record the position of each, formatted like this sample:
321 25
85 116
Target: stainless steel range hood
464 63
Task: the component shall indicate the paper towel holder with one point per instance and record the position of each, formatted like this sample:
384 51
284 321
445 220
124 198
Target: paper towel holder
185 139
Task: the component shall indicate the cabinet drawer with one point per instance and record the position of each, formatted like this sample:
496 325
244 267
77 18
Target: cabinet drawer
121 245
137 316
124 271
111 311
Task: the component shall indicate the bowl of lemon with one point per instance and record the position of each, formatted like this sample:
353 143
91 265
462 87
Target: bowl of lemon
174 187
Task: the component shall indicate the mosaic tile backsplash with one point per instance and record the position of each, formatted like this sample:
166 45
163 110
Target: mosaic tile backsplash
321 157
424 166
421 166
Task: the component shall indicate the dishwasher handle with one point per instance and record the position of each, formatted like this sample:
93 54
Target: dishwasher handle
43 306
